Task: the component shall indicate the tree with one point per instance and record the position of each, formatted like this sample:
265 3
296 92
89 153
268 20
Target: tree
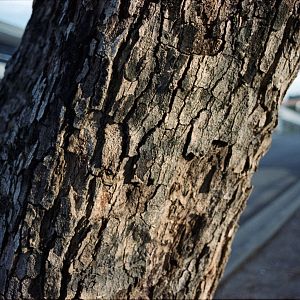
129 134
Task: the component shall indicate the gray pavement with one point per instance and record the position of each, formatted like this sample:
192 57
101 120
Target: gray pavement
284 153
265 261
273 273
279 169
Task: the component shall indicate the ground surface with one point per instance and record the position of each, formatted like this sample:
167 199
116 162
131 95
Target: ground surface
273 272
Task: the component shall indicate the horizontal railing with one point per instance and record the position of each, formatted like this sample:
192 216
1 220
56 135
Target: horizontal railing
289 115
10 38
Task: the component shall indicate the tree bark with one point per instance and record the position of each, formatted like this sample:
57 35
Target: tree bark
129 134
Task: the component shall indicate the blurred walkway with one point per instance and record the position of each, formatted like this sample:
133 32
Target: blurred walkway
265 261
273 273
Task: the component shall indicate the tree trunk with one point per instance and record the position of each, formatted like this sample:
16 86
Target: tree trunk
129 134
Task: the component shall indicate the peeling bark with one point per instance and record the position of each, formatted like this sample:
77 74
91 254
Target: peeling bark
129 134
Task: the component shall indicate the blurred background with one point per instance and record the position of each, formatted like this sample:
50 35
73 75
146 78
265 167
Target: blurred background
14 16
265 260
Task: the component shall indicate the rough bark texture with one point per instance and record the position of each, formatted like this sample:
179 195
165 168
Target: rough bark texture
129 133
